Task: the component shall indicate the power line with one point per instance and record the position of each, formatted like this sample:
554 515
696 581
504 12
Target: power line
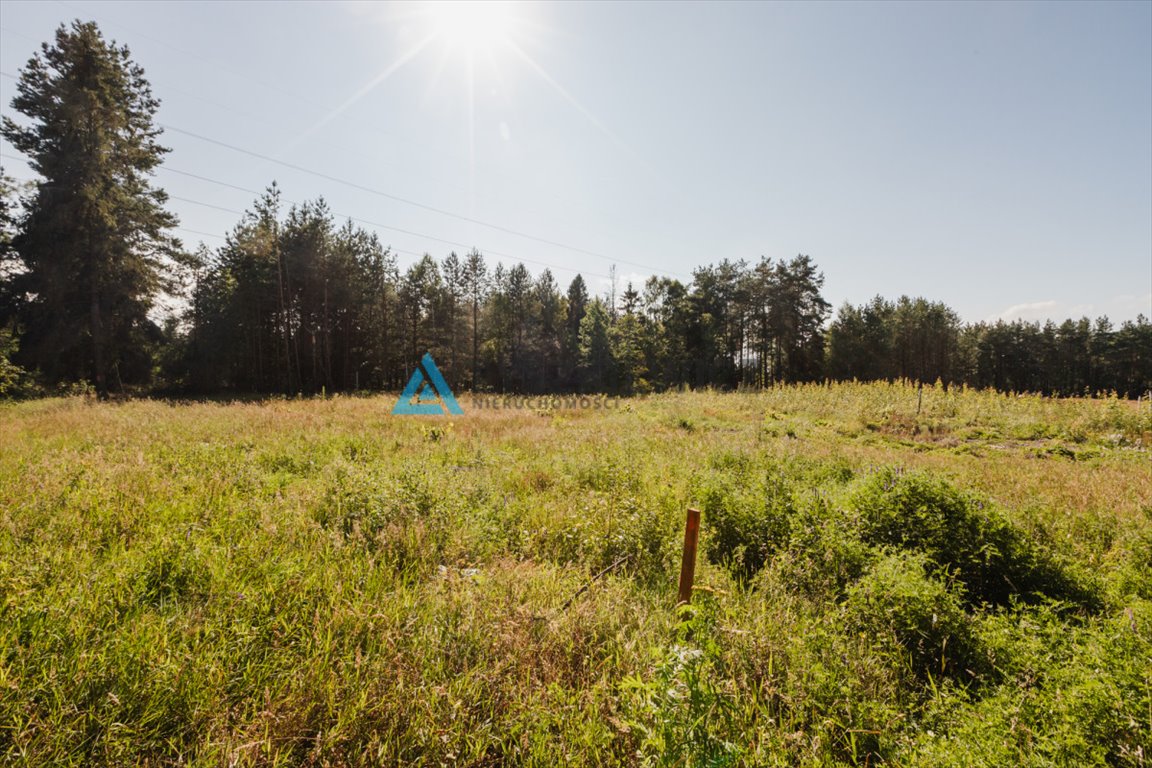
404 200
206 205
396 198
362 221
414 203
337 214
370 190
369 223
202 234
373 128
363 188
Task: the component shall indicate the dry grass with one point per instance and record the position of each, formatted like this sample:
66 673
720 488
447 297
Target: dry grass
319 582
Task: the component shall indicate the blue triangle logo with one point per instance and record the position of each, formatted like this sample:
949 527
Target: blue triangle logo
427 394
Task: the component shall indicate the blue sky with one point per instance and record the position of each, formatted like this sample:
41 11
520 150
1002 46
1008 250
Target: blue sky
995 156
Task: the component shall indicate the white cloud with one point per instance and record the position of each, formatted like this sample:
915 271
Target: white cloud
1035 310
1117 308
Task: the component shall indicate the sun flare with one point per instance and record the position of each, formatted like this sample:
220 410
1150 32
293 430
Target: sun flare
472 25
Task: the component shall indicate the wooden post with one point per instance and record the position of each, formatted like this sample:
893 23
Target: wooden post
688 561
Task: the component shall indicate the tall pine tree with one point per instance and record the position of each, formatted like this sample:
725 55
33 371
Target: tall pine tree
92 243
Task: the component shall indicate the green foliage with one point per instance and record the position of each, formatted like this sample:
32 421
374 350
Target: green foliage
897 601
963 534
821 550
746 522
1072 695
597 364
1135 578
304 296
92 247
823 557
15 382
922 341
679 712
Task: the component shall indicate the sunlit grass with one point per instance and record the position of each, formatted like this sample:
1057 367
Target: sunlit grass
319 582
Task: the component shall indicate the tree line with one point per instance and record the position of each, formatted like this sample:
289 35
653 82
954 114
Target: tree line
296 302
919 340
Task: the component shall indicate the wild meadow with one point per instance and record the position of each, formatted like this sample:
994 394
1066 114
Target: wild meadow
958 579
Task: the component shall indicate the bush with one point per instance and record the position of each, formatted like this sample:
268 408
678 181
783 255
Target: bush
15 382
899 603
823 557
964 534
745 526
1070 695
681 713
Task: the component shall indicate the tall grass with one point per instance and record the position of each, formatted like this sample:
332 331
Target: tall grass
321 583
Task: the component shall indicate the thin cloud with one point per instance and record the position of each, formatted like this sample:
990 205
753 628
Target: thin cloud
1117 308
1029 311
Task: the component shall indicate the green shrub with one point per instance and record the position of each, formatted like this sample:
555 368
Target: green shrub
1069 695
824 555
641 531
15 382
965 534
898 603
744 526
680 711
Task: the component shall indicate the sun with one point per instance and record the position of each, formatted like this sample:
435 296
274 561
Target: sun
472 25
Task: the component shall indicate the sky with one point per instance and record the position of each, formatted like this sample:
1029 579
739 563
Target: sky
993 156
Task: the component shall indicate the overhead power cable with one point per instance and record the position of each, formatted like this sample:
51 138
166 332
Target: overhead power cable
369 223
404 200
337 214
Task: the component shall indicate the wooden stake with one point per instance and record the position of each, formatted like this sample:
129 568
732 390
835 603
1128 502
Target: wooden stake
688 561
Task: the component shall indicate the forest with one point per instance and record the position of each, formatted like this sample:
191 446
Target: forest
297 302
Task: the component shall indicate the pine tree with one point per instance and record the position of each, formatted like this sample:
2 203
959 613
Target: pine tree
596 364
576 306
454 270
93 242
476 289
547 331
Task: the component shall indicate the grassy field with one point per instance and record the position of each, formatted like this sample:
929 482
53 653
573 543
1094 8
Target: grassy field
322 583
